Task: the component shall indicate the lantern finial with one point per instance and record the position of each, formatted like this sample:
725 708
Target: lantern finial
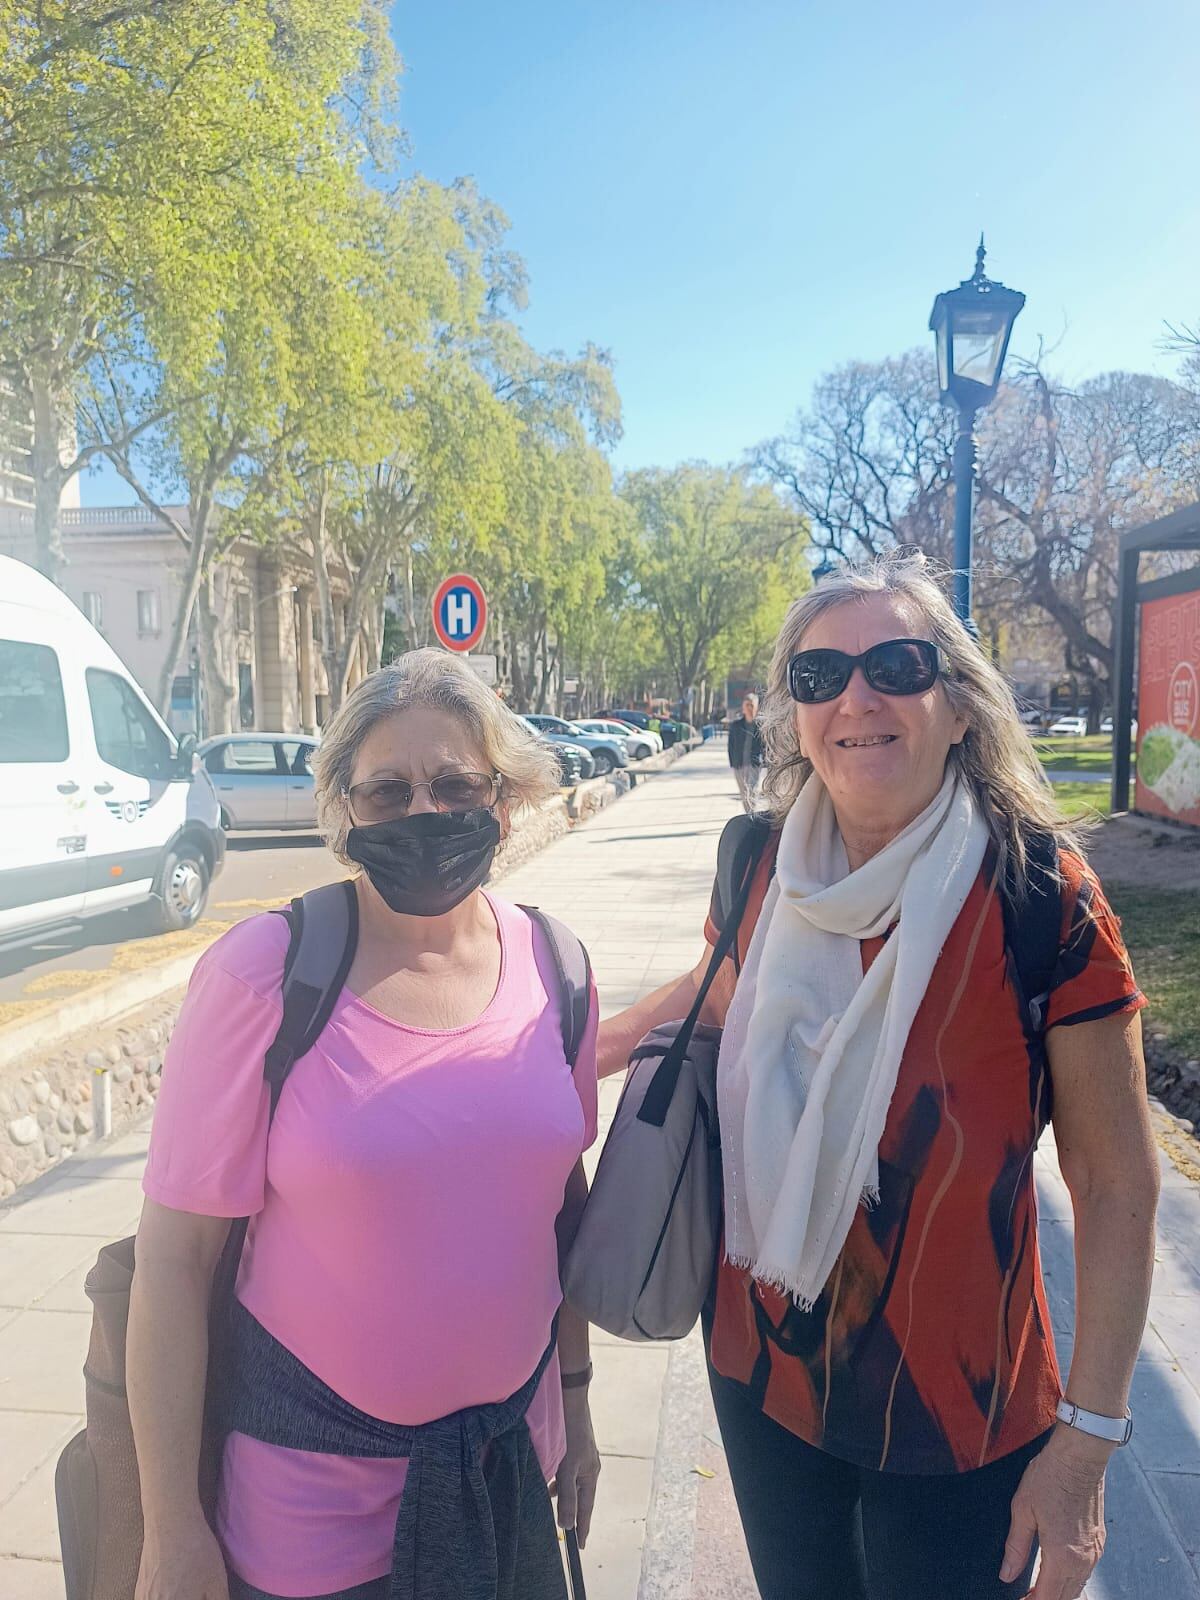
980 275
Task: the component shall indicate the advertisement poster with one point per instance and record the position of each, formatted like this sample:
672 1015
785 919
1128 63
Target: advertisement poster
1168 763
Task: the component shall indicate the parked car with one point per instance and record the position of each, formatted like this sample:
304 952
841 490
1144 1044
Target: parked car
669 730
570 767
640 743
607 752
263 780
575 763
1069 726
101 808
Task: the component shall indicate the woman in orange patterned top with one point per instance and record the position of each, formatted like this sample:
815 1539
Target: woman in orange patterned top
881 1353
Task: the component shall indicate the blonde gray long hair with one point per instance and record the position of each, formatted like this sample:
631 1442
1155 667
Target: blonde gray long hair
995 758
527 768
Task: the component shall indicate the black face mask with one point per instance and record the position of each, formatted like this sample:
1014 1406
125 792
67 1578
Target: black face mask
427 864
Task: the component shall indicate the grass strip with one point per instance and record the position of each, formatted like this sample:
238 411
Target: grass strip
1162 930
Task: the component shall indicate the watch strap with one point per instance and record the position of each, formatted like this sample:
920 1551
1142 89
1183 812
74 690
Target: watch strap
1117 1430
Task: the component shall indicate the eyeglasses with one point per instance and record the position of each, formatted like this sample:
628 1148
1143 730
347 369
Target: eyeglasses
387 799
897 666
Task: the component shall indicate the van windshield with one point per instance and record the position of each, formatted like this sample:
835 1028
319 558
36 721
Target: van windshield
127 736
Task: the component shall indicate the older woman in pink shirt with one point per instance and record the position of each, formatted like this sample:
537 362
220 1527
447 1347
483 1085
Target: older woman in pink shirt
401 1270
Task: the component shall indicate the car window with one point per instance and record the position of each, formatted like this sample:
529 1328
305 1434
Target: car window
127 736
251 755
297 757
33 713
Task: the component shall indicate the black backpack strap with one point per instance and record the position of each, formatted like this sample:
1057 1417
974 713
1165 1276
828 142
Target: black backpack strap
324 937
573 970
743 840
1033 930
749 837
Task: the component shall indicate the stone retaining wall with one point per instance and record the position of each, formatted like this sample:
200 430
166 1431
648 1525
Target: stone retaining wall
48 1106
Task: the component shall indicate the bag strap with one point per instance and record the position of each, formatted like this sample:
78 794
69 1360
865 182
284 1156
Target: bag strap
1033 930
740 834
324 938
742 858
573 970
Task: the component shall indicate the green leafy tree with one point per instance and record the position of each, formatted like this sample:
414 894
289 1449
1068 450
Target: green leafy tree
135 143
711 546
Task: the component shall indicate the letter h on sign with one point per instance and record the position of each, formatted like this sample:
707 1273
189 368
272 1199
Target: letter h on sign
460 614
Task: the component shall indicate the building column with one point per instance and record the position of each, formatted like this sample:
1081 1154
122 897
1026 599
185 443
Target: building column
308 680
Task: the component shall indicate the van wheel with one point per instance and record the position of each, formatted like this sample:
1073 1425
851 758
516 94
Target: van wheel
183 890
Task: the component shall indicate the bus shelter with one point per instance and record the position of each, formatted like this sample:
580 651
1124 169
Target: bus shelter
1157 638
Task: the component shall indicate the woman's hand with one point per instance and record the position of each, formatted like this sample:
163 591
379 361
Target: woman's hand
575 1484
183 1562
1060 1502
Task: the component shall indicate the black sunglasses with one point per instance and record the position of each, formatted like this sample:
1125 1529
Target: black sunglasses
388 799
897 666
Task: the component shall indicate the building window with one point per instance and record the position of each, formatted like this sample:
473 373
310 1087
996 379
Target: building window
93 608
246 694
243 611
148 612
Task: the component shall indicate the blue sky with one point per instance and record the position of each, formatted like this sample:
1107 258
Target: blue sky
735 198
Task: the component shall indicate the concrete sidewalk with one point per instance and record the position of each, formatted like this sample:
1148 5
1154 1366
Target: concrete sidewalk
635 883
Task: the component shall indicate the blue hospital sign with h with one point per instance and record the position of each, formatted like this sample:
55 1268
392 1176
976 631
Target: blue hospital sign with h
459 612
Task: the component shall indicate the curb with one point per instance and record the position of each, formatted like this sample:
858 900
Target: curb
100 1006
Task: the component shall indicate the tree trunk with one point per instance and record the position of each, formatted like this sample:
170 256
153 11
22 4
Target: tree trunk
48 479
320 554
547 669
192 579
220 682
410 596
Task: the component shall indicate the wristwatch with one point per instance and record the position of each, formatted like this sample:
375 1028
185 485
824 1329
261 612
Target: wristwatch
1117 1430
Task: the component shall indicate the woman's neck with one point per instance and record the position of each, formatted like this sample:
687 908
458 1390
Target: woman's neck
863 842
866 836
411 936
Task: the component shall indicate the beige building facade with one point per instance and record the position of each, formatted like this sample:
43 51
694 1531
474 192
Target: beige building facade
252 658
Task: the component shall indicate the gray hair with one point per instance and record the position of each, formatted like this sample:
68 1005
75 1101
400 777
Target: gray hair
995 758
528 769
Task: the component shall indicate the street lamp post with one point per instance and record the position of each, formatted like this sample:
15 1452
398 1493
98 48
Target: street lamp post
972 325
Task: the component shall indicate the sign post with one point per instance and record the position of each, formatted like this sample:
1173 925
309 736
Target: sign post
460 612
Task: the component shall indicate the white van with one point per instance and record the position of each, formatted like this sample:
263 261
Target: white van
99 806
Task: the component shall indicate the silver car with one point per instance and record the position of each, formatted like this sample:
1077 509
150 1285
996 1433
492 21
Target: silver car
263 780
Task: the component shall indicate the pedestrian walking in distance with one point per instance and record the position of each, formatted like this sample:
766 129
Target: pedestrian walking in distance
746 754
397 1400
925 975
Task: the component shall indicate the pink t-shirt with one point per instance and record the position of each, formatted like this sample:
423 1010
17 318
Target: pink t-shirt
402 1238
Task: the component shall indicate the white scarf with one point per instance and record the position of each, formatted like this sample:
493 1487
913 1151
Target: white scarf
812 1047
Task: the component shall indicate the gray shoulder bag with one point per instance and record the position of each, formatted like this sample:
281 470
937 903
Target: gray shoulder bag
643 1259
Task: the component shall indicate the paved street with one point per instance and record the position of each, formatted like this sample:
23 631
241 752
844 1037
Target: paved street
261 869
635 883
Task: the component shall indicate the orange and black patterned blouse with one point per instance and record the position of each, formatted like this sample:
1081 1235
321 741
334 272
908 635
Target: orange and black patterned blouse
930 1349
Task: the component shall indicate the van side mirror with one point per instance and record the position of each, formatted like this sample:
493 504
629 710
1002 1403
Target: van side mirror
186 754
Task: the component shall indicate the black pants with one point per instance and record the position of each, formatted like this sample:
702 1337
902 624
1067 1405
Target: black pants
820 1529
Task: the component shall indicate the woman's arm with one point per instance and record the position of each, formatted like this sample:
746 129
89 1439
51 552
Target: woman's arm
575 1484
671 1003
167 1362
1106 1152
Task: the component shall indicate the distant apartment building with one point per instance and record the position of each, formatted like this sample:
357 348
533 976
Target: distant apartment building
16 450
126 570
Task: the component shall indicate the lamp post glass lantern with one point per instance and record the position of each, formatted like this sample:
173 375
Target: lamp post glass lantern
972 326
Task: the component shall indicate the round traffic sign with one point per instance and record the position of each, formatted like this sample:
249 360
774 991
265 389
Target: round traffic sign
460 612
